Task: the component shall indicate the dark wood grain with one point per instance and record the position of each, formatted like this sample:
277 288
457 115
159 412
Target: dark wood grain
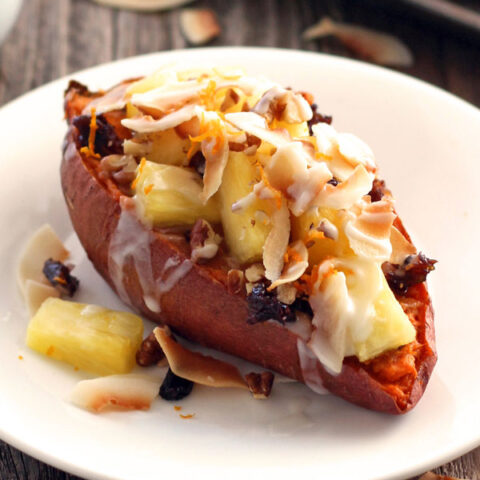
55 37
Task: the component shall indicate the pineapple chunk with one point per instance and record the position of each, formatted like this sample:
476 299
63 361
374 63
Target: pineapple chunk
296 130
170 196
168 148
94 339
245 232
323 247
391 327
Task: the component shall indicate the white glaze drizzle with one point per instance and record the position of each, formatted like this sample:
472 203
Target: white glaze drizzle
309 366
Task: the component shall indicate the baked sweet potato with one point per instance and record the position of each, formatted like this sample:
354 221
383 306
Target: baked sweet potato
150 268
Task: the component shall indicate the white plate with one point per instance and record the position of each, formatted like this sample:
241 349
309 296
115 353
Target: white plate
426 142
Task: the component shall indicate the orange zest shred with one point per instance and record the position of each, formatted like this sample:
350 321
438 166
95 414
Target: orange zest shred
148 189
177 408
277 194
292 256
140 170
210 129
90 149
313 235
186 417
50 350
20 357
60 280
207 95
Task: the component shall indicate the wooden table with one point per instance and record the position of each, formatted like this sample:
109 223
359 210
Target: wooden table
55 37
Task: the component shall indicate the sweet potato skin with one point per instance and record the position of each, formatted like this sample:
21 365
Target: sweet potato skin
200 307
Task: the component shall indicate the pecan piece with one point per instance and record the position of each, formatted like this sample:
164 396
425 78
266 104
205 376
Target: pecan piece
235 282
260 384
204 241
150 352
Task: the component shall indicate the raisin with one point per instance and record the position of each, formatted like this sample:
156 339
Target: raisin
301 304
198 163
378 190
317 118
414 270
333 181
264 305
59 276
106 139
175 387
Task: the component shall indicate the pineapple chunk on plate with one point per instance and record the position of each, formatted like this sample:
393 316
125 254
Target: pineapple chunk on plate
89 337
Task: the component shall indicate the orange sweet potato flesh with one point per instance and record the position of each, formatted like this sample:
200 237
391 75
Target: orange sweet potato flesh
201 308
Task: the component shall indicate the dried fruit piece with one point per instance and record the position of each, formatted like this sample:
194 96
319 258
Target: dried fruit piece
59 276
379 47
199 25
264 305
175 387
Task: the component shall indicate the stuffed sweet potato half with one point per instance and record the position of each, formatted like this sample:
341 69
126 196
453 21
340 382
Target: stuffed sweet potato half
228 208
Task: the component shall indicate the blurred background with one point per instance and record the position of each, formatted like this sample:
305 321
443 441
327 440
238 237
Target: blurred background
41 40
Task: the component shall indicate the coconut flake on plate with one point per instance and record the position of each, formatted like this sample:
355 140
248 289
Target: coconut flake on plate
42 245
199 25
116 392
378 47
36 293
401 247
196 367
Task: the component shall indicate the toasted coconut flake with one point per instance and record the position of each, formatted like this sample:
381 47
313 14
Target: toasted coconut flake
36 293
282 104
401 247
276 243
295 265
137 148
343 151
370 228
255 272
256 125
148 124
215 150
286 293
346 193
42 245
376 46
196 367
199 25
289 171
114 99
145 5
116 392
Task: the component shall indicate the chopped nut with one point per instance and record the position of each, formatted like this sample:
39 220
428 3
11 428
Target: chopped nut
328 229
204 241
255 272
260 384
249 287
235 282
286 293
150 352
231 99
